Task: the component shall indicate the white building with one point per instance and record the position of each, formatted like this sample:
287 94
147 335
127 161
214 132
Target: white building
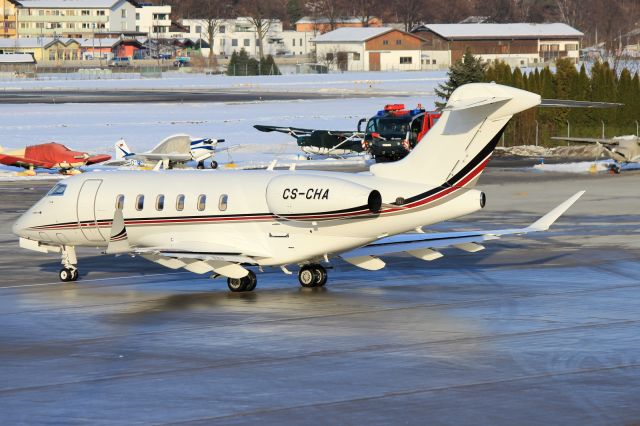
153 20
369 49
74 18
235 34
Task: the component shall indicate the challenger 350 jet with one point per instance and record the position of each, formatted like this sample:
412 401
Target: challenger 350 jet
227 222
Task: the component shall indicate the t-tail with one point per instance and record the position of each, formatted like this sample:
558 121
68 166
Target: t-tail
122 150
456 150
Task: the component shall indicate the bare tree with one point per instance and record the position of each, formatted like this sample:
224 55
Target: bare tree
212 14
410 12
364 10
570 11
261 14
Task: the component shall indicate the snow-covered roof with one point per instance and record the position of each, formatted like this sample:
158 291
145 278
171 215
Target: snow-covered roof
32 42
523 30
358 34
70 4
17 58
325 20
99 42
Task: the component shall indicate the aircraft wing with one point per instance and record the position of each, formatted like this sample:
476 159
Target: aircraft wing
149 157
424 246
603 141
293 131
11 160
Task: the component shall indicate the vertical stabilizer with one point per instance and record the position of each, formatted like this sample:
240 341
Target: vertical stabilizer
458 147
122 149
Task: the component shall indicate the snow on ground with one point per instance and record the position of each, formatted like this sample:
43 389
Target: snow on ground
419 82
96 127
584 167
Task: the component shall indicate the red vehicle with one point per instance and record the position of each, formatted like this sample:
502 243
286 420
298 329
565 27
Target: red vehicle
50 155
394 131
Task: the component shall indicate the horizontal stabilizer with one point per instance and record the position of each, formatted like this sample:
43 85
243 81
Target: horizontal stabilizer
568 103
467 103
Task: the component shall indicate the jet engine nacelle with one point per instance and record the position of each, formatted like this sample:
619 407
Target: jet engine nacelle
319 198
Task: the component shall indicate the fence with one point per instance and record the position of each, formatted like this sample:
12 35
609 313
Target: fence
37 72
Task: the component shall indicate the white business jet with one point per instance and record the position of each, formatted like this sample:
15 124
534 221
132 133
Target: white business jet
223 222
174 150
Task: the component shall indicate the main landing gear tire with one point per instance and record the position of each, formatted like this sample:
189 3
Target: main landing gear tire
247 283
200 165
214 164
68 274
311 276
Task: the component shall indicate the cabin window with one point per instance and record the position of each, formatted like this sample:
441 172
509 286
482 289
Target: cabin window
180 203
120 202
160 202
222 204
58 189
202 202
139 202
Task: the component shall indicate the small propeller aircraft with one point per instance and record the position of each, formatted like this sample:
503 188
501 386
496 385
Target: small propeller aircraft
227 222
172 151
334 143
622 149
50 155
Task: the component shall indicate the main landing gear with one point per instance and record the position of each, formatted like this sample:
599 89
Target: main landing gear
69 271
247 283
312 275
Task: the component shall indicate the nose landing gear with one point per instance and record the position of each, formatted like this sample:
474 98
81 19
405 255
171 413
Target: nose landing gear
69 271
312 275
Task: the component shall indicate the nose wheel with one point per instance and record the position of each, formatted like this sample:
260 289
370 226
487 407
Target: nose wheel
247 283
68 274
312 275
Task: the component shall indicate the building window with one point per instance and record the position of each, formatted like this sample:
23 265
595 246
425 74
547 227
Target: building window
137 16
329 56
433 61
86 13
398 42
294 42
202 202
180 203
406 60
247 42
300 42
385 42
198 29
120 202
100 12
221 30
140 202
124 13
222 204
356 56
160 202
234 42
52 55
570 47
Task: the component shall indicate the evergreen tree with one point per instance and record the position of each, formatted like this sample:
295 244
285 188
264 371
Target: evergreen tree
469 69
268 66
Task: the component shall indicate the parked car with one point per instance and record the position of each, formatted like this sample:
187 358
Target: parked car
181 61
120 62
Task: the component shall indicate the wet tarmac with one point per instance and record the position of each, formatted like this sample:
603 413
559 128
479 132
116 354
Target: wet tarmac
529 331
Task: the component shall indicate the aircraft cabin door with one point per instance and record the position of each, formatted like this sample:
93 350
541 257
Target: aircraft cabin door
86 209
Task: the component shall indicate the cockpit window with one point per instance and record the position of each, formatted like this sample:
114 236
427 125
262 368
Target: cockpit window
58 189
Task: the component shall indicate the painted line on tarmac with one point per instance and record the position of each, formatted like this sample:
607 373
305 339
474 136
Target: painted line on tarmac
93 280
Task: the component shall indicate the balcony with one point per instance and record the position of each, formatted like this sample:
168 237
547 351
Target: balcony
9 18
63 18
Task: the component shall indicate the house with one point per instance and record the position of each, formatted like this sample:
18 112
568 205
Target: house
74 18
107 48
321 25
369 49
521 44
43 49
16 59
153 20
8 18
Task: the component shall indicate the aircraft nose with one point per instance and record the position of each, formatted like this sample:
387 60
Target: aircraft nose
20 226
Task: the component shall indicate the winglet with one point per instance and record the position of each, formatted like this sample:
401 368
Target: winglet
547 220
119 241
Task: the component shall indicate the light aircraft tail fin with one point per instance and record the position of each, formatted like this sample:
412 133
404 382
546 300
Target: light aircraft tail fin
118 241
122 149
456 150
